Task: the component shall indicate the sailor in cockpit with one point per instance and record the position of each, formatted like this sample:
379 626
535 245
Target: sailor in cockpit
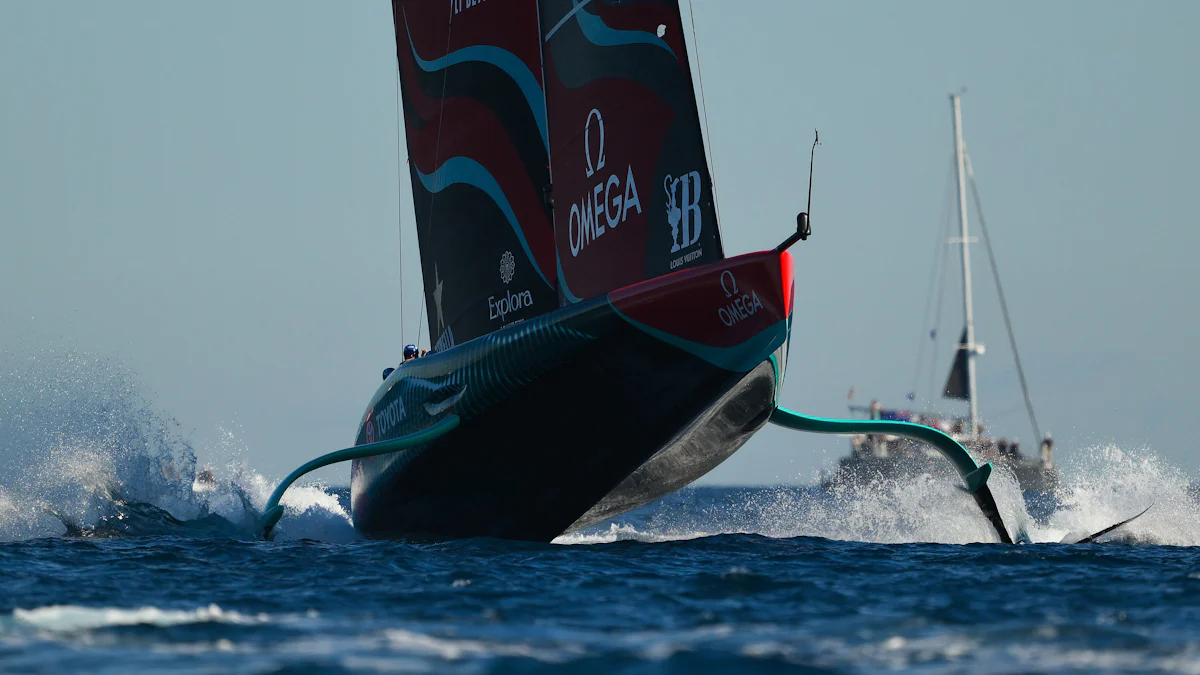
410 352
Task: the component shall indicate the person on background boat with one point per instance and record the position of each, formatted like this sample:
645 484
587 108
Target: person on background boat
1048 450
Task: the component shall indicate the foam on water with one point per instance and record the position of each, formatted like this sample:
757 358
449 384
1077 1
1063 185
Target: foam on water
1107 485
71 618
83 453
919 508
1103 485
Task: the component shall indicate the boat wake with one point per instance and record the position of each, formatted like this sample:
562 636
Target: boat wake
82 454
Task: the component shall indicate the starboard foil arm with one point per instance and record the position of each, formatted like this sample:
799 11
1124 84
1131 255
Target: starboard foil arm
273 511
975 476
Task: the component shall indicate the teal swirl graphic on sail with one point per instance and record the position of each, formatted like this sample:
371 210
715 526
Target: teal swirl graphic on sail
503 59
602 35
469 172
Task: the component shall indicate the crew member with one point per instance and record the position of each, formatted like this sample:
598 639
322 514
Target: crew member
410 352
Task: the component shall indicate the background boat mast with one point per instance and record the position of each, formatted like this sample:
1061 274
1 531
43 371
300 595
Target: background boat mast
963 239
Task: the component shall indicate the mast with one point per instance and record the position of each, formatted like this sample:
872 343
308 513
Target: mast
969 346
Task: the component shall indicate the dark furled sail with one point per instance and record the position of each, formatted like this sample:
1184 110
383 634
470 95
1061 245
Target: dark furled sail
957 385
633 198
478 144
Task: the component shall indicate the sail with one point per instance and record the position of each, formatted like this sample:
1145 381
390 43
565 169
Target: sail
632 194
957 385
475 120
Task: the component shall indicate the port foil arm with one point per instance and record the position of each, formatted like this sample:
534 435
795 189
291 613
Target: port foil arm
273 511
975 476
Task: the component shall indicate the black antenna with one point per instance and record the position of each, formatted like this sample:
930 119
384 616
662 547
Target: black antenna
811 159
803 228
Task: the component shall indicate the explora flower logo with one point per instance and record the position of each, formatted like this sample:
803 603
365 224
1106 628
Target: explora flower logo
507 267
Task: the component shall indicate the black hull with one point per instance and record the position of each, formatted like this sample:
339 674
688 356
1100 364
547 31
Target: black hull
566 419
710 439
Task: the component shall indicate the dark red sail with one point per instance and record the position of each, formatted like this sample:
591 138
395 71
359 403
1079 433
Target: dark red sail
633 198
475 120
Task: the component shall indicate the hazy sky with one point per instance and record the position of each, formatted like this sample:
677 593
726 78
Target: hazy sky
210 193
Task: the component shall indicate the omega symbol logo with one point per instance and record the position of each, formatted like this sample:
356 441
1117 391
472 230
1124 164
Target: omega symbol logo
608 203
739 306
730 287
587 143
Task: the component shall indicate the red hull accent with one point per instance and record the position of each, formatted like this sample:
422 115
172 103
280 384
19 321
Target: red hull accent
719 305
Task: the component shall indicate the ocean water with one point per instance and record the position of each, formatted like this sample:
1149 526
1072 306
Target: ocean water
115 557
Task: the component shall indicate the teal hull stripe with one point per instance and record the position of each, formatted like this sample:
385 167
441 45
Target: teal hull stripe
503 59
469 172
741 358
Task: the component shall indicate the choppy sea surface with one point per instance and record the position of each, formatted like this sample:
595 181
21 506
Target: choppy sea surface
115 556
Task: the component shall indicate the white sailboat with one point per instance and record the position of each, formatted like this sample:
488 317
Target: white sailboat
877 454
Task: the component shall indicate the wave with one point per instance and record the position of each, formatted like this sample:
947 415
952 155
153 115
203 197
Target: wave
73 618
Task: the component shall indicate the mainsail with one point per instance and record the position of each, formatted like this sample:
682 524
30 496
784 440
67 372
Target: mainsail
958 383
632 194
478 143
